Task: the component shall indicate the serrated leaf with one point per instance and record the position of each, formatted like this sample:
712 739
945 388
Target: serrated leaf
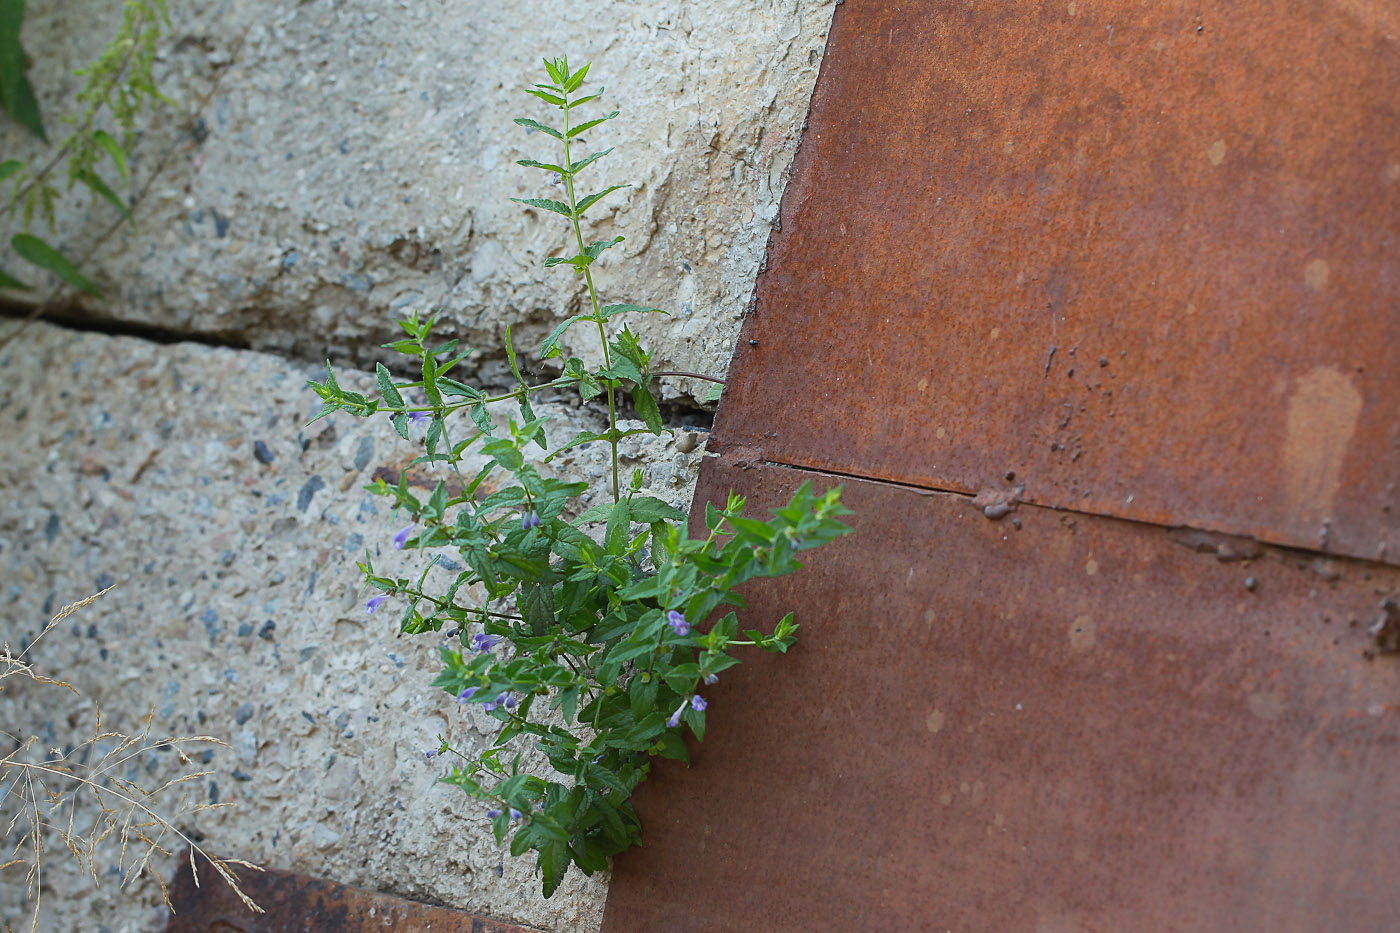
583 437
576 78
531 163
592 199
531 124
583 127
575 167
594 249
613 310
550 347
113 149
646 406
386 386
100 188
648 509
34 250
548 204
9 281
481 418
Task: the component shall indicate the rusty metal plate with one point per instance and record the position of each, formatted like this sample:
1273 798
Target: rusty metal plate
296 903
1144 256
1083 724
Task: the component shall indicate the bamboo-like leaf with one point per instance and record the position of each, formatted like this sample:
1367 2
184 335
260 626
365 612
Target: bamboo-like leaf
34 250
592 199
581 163
546 97
531 163
612 310
572 84
533 125
548 204
9 281
113 149
100 187
583 127
551 343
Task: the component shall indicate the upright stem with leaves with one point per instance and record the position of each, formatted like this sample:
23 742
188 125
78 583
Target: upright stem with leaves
591 630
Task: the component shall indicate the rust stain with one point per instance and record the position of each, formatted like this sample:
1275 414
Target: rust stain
1167 240
1322 415
1177 752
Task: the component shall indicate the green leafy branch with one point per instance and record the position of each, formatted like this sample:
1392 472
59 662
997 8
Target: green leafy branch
592 632
120 82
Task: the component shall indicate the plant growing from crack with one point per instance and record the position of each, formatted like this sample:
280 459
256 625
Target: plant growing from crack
593 635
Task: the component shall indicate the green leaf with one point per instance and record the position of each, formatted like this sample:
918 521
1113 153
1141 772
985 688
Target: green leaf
430 388
576 79
553 862
386 386
548 204
482 418
618 528
584 127
588 384
9 281
547 98
110 145
583 437
592 250
551 344
613 310
576 167
531 163
645 403
531 124
592 199
554 72
714 393
41 254
99 187
510 356
16 94
10 166
650 509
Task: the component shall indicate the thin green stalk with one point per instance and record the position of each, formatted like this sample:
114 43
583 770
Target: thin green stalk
593 297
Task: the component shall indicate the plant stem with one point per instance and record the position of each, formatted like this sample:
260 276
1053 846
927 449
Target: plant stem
690 376
593 297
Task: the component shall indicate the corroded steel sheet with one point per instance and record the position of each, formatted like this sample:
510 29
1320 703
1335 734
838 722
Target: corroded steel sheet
1080 724
296 903
1145 256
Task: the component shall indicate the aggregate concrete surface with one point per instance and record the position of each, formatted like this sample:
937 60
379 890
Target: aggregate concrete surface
333 164
186 476
329 166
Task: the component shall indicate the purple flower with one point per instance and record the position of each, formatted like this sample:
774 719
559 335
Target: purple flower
416 416
529 520
679 625
451 633
374 603
510 701
698 703
466 694
492 814
514 813
711 678
675 719
401 538
485 642
506 699
430 754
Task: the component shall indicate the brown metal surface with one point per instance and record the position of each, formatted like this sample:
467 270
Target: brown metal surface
298 904
1085 724
1145 256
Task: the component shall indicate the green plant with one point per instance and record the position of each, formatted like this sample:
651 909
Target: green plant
119 82
591 635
